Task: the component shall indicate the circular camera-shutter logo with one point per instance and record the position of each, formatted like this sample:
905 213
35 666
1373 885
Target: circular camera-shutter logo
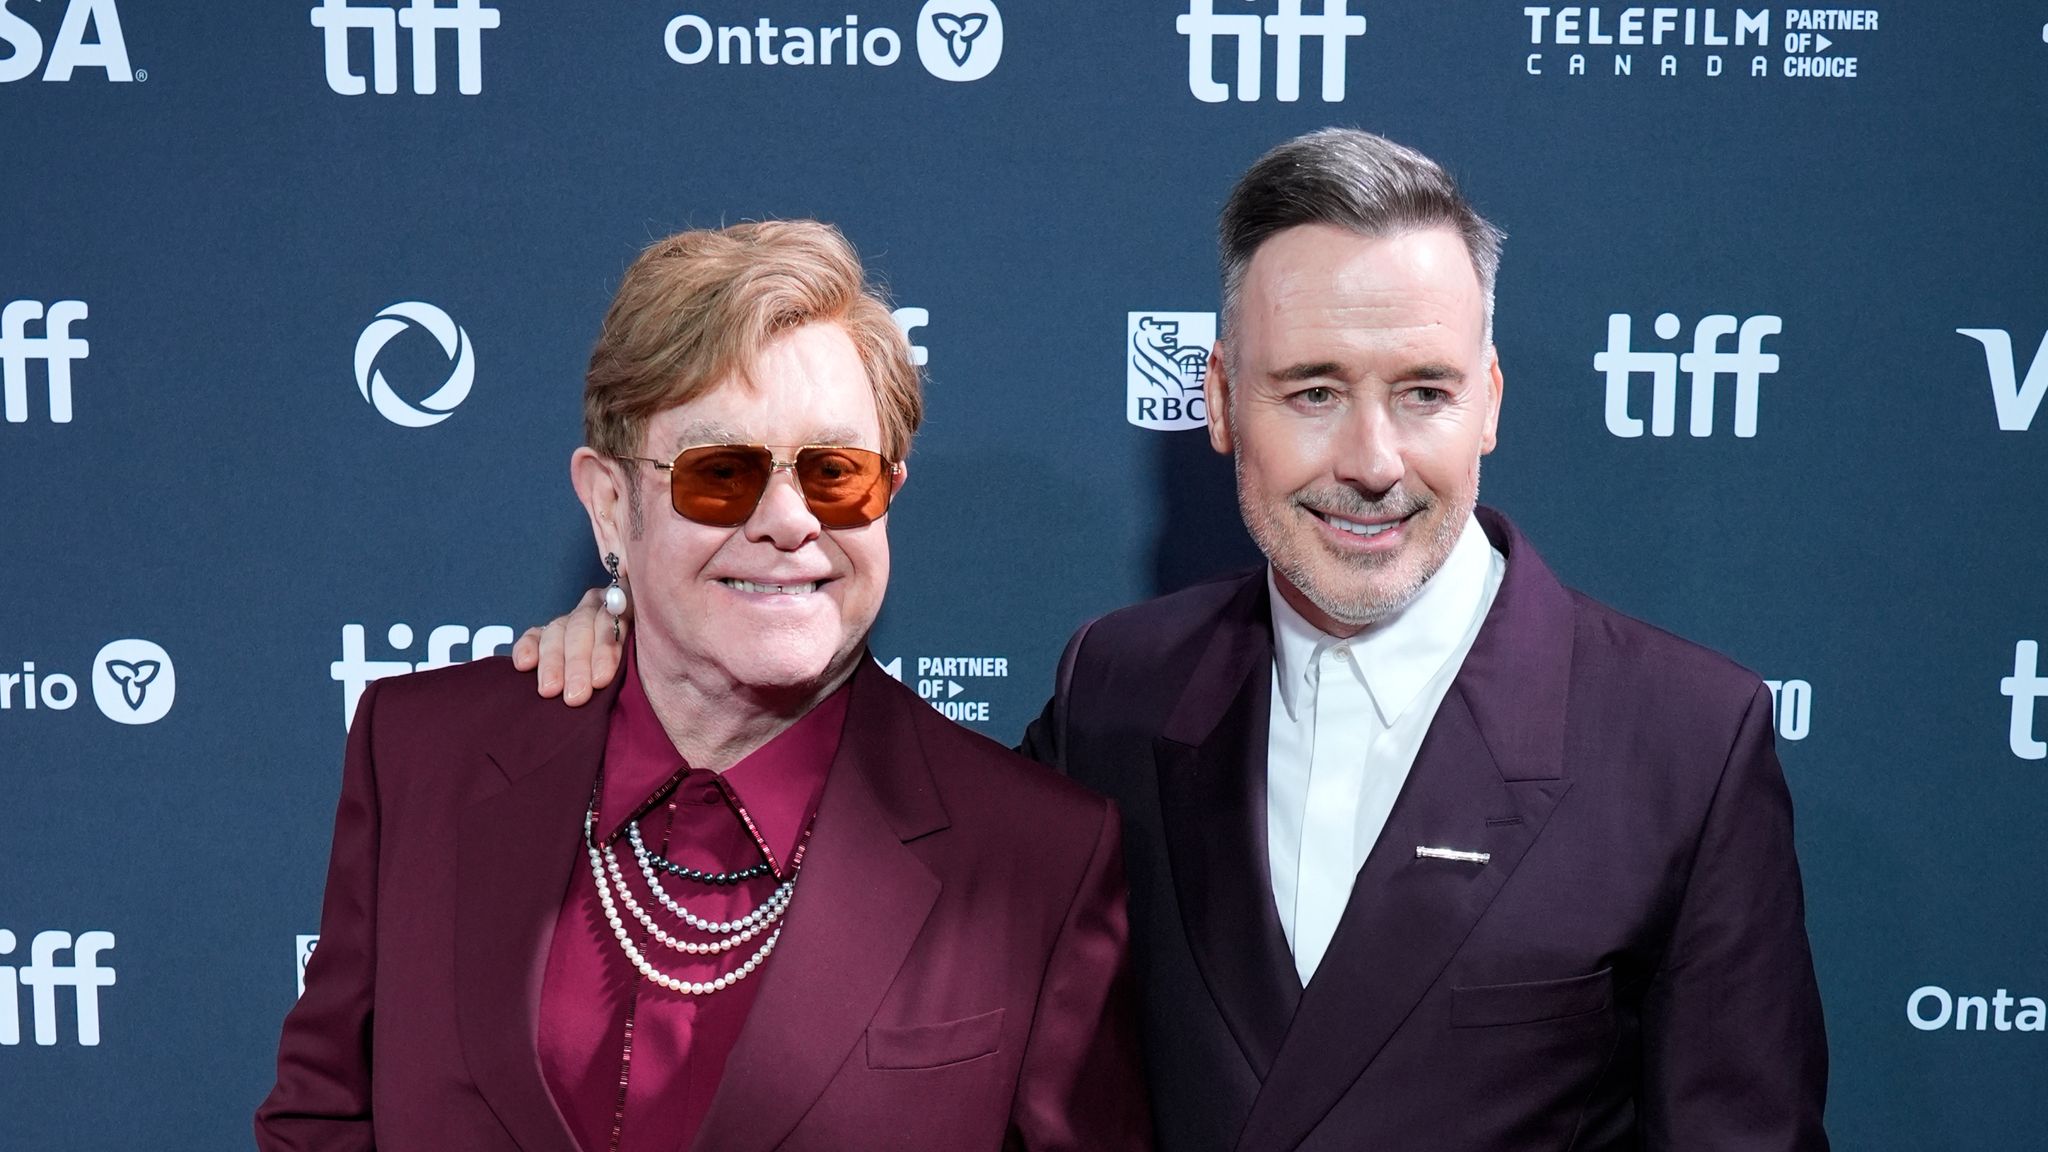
960 39
454 341
133 682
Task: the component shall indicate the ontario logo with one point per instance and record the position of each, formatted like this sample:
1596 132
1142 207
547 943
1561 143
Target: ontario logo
956 40
1168 360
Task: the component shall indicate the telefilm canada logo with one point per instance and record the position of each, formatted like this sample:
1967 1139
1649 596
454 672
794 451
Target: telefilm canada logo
1166 358
1227 50
955 40
44 974
89 40
1642 42
938 680
57 348
2015 400
1707 362
441 402
133 682
424 21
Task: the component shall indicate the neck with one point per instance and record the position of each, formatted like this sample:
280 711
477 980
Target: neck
1322 620
717 725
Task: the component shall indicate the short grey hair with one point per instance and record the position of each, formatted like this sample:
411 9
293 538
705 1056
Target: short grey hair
1355 181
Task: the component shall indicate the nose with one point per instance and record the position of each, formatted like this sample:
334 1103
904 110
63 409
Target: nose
1368 450
782 518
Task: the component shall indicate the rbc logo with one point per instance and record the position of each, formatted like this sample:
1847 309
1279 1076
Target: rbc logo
454 341
70 51
42 976
2016 402
1169 360
1748 363
426 18
355 669
1289 26
959 39
56 347
2025 686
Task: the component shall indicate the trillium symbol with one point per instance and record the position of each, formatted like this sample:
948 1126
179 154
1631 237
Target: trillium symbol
960 32
134 679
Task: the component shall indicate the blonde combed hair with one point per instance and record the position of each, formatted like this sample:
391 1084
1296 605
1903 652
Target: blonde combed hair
696 308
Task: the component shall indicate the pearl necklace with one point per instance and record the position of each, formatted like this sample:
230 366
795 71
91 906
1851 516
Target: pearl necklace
715 927
776 905
640 962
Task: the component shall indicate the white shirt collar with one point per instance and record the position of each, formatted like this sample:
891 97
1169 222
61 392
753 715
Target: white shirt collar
1398 656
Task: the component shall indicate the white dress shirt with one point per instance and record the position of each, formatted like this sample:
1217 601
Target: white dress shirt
1348 717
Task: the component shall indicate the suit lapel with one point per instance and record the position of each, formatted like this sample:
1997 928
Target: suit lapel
1212 791
515 853
1486 779
859 906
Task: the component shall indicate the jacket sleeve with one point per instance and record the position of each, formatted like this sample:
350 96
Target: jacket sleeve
1046 739
321 1101
1734 1049
1081 1088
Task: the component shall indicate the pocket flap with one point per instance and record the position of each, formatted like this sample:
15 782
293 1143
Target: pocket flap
935 1045
1495 1004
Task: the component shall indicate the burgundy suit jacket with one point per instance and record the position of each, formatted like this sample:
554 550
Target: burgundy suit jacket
952 976
1628 970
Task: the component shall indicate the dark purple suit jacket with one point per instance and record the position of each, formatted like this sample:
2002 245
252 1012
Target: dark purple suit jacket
1629 970
953 972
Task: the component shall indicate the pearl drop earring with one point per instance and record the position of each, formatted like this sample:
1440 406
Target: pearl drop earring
615 595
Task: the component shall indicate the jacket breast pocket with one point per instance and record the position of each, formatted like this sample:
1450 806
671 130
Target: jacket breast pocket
935 1045
1493 1005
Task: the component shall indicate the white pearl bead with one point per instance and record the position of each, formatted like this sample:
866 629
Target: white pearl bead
615 600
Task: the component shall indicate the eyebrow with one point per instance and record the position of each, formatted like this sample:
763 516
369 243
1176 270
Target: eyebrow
1294 373
1435 370
701 432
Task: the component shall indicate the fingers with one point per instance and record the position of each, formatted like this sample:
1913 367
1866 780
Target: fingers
549 660
578 635
575 654
526 651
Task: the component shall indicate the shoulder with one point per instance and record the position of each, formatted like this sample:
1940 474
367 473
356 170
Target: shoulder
1165 623
1003 784
484 702
1654 675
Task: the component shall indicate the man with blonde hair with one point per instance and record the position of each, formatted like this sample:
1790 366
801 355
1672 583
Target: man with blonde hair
760 895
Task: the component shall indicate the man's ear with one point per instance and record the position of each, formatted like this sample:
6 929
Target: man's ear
600 484
1216 396
896 482
1496 385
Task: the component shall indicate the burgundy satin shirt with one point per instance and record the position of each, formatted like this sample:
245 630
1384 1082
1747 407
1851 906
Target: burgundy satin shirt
678 1043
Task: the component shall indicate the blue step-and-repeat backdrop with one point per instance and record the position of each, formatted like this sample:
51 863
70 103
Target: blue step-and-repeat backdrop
295 300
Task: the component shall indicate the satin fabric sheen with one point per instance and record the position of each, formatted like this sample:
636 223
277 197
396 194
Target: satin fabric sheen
679 1043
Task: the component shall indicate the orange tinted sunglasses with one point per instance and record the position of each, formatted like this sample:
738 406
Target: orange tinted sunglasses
721 484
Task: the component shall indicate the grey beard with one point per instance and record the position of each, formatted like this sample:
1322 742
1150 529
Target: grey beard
1372 606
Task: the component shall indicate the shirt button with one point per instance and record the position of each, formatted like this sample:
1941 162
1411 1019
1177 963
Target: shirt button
1340 651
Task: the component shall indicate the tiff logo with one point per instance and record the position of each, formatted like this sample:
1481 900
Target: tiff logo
2016 402
56 348
2025 685
1707 361
427 19
43 976
1203 26
355 669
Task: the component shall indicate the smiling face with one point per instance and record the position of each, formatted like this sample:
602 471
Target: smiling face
778 604
1357 395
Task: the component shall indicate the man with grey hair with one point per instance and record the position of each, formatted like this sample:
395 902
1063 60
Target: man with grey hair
1425 850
